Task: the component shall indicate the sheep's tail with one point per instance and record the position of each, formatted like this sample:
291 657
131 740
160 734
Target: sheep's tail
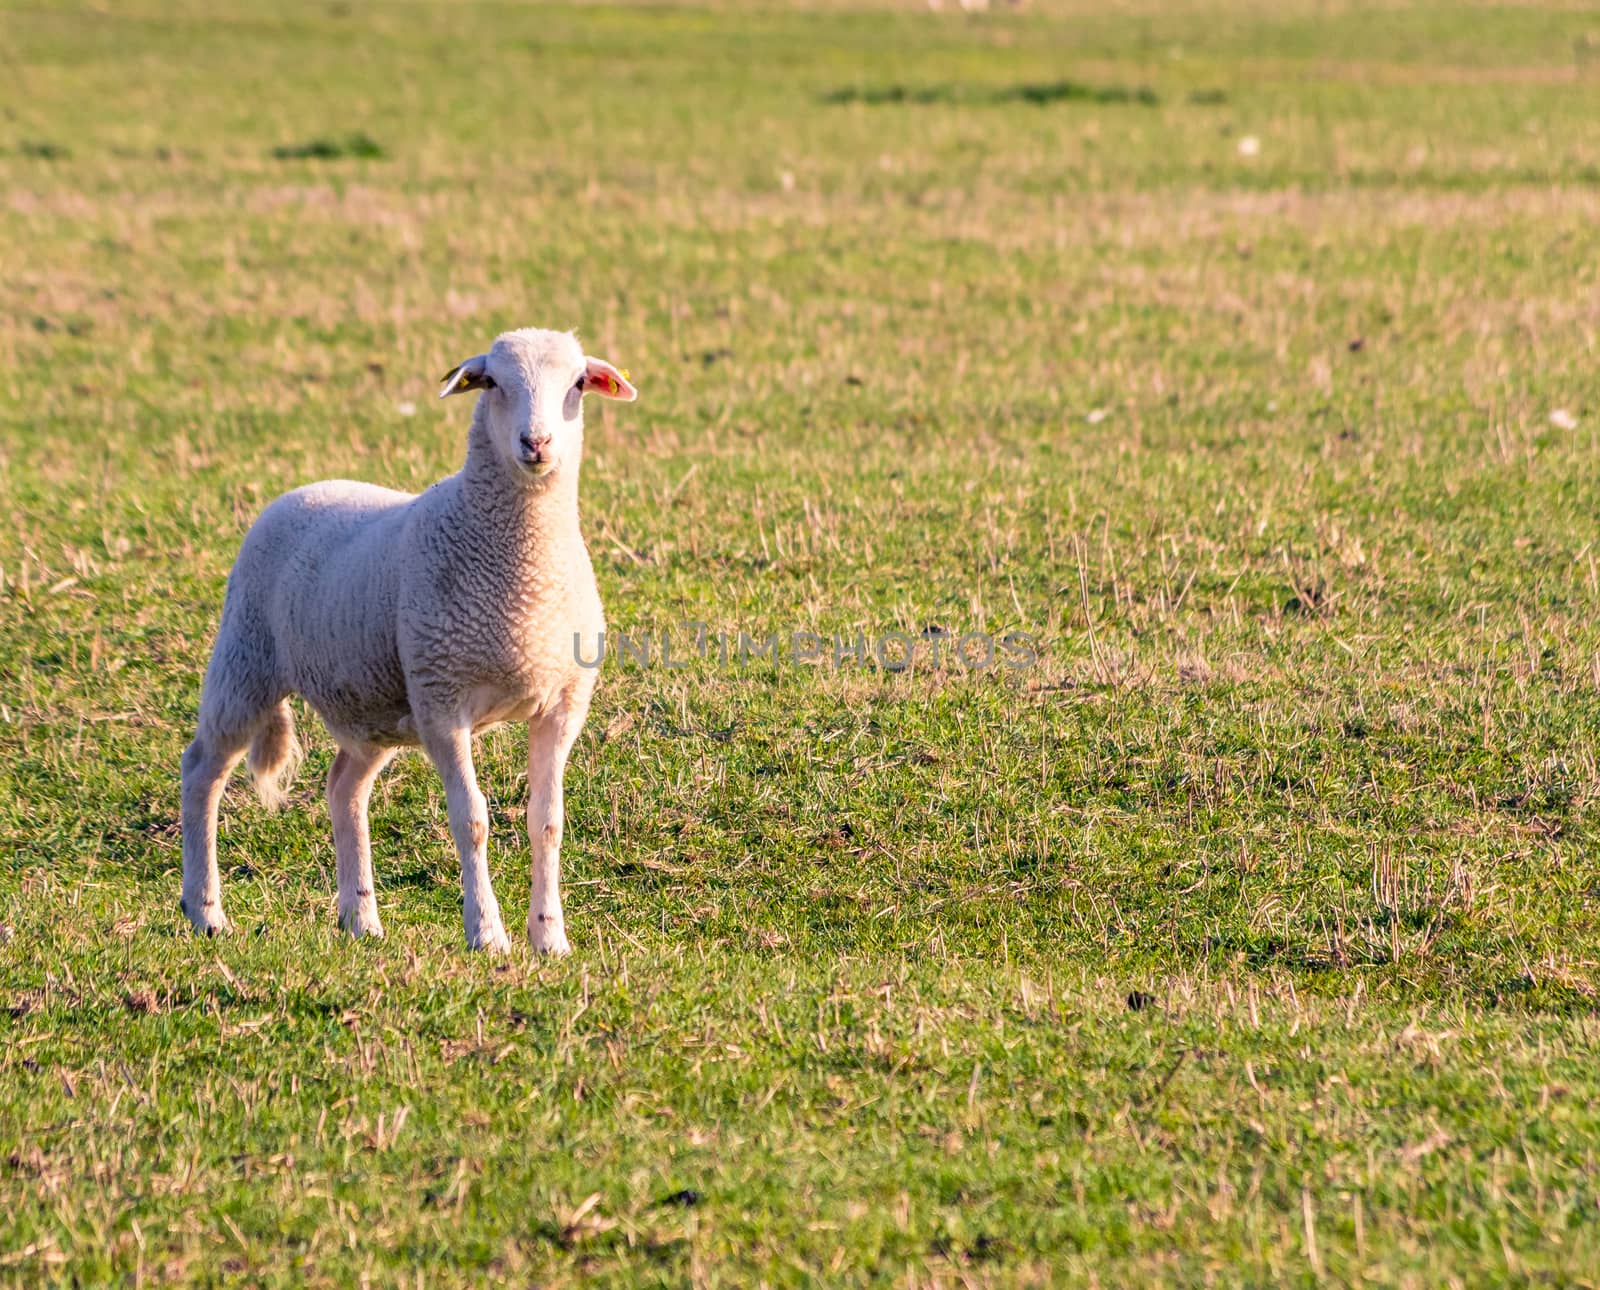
274 756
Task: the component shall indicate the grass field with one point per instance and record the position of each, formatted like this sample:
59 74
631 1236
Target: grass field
1246 356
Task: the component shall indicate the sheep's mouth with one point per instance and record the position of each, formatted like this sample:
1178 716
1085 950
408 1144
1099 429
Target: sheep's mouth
537 466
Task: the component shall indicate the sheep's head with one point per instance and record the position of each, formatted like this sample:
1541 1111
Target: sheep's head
533 384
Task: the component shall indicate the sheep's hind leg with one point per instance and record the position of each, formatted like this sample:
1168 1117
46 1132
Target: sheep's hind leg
350 782
207 763
549 742
450 750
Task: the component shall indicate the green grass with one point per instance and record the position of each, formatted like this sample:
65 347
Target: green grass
1250 936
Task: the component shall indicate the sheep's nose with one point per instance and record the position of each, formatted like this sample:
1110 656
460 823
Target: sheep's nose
535 447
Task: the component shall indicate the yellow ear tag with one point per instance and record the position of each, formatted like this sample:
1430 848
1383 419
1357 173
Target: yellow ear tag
625 375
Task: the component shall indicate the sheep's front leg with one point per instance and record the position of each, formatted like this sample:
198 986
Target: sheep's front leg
450 751
350 782
549 742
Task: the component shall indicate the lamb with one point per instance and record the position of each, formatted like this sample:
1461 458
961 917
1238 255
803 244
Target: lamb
418 620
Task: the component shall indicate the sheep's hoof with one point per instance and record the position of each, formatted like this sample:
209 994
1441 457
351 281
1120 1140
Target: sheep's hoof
208 920
491 940
361 923
548 940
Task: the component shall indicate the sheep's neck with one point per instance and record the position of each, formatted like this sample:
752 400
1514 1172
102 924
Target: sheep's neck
523 516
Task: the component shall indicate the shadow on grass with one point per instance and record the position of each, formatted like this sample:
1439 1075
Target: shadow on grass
1039 93
327 148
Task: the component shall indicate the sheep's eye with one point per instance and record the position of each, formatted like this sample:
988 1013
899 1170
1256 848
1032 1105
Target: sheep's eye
579 383
488 383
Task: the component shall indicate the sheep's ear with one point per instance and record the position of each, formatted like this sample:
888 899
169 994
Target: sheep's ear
602 378
471 375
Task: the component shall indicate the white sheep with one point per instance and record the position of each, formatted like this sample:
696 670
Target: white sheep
418 620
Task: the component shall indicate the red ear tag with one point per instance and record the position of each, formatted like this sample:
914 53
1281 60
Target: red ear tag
607 383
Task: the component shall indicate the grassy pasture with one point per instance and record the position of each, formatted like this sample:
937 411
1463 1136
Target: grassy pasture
1245 355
